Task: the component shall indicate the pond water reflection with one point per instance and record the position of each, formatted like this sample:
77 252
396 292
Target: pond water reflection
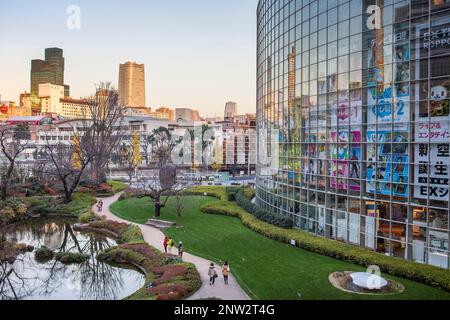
91 280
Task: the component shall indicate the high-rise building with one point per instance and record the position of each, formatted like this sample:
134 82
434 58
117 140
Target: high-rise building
355 109
230 110
50 70
132 85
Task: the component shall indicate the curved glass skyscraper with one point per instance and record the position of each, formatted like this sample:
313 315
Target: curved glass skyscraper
353 119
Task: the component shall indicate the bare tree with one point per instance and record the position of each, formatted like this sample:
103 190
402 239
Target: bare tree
67 163
160 187
101 121
13 141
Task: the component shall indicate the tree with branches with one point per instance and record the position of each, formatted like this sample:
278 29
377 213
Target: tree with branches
13 141
67 163
160 186
102 121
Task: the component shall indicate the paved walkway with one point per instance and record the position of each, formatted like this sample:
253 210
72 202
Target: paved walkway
155 238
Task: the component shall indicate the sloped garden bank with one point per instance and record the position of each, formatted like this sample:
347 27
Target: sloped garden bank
167 277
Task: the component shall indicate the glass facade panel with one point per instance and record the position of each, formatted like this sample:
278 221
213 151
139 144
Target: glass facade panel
354 104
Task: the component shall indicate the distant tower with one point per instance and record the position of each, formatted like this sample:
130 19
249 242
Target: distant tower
230 110
50 70
132 85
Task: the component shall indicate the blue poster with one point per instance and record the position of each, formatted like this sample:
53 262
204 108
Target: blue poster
387 170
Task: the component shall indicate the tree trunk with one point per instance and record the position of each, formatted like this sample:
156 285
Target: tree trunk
158 206
5 181
158 210
67 196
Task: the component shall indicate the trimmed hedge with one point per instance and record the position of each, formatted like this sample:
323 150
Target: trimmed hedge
264 215
426 274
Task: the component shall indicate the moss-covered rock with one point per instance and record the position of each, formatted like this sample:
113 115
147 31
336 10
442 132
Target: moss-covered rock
70 258
44 254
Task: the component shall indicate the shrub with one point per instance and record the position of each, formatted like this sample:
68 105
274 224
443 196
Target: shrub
212 191
264 215
131 234
13 209
142 249
131 193
427 274
87 217
117 186
113 226
171 260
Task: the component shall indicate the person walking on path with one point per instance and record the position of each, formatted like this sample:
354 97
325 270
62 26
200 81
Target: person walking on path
225 272
100 206
180 250
212 274
165 243
170 243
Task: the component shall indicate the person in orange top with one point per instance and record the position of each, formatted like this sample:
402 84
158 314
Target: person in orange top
225 271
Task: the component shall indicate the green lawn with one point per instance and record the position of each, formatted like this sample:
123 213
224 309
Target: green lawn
266 269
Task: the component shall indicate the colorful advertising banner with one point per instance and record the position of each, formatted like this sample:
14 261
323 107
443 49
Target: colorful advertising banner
432 171
387 158
346 164
347 110
387 103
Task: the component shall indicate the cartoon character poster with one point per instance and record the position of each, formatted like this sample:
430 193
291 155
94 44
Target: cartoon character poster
346 164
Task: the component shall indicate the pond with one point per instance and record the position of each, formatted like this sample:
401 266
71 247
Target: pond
92 280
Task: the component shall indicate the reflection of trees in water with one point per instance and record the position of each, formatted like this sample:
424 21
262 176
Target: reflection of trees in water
92 279
13 286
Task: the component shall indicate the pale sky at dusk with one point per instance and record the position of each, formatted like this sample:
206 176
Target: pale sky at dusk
197 53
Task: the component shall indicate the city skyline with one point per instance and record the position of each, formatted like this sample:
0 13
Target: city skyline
205 64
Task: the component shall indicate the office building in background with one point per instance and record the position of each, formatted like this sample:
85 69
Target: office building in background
132 85
50 70
230 110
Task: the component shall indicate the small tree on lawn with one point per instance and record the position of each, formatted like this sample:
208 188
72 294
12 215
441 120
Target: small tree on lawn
160 187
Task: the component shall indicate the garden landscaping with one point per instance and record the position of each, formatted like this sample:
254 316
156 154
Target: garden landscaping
166 277
266 266
49 202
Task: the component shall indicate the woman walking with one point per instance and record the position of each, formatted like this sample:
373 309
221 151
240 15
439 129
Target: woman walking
225 272
170 244
212 274
165 243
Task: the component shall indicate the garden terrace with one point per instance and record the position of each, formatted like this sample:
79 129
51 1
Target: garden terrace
258 251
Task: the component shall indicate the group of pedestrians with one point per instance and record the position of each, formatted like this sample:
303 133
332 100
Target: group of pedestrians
212 273
169 244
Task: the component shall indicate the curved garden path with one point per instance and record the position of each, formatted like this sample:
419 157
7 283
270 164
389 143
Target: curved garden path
155 238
